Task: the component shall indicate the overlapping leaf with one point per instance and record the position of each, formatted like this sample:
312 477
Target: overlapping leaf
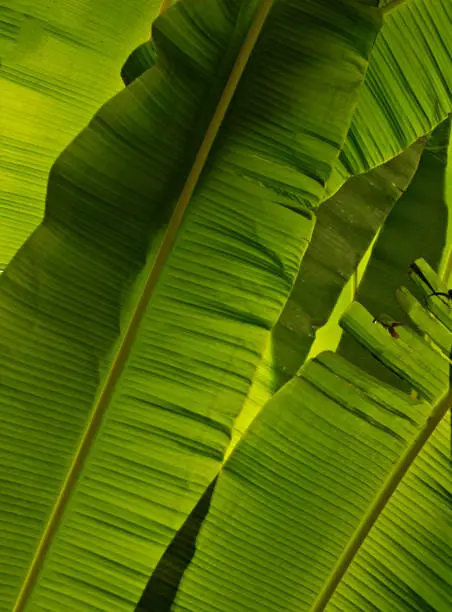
416 227
289 526
346 225
65 299
141 59
408 88
60 61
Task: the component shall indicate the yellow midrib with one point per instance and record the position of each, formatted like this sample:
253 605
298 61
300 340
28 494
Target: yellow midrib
130 334
165 6
391 484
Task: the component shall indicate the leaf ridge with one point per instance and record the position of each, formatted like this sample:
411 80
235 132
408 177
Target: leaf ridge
391 484
122 353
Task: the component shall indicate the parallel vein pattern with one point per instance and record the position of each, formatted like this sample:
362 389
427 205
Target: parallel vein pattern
296 488
312 467
67 295
408 87
60 60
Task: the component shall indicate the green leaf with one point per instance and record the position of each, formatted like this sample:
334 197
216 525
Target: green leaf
428 282
416 227
345 227
407 91
60 62
140 60
430 326
403 564
124 422
428 374
336 497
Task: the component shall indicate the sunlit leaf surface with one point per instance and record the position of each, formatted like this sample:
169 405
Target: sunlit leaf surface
66 298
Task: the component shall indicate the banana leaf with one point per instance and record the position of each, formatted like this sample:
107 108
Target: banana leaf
345 227
408 88
122 369
337 497
140 60
416 227
60 62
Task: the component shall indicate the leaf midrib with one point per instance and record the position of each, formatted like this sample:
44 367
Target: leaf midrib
380 502
123 351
